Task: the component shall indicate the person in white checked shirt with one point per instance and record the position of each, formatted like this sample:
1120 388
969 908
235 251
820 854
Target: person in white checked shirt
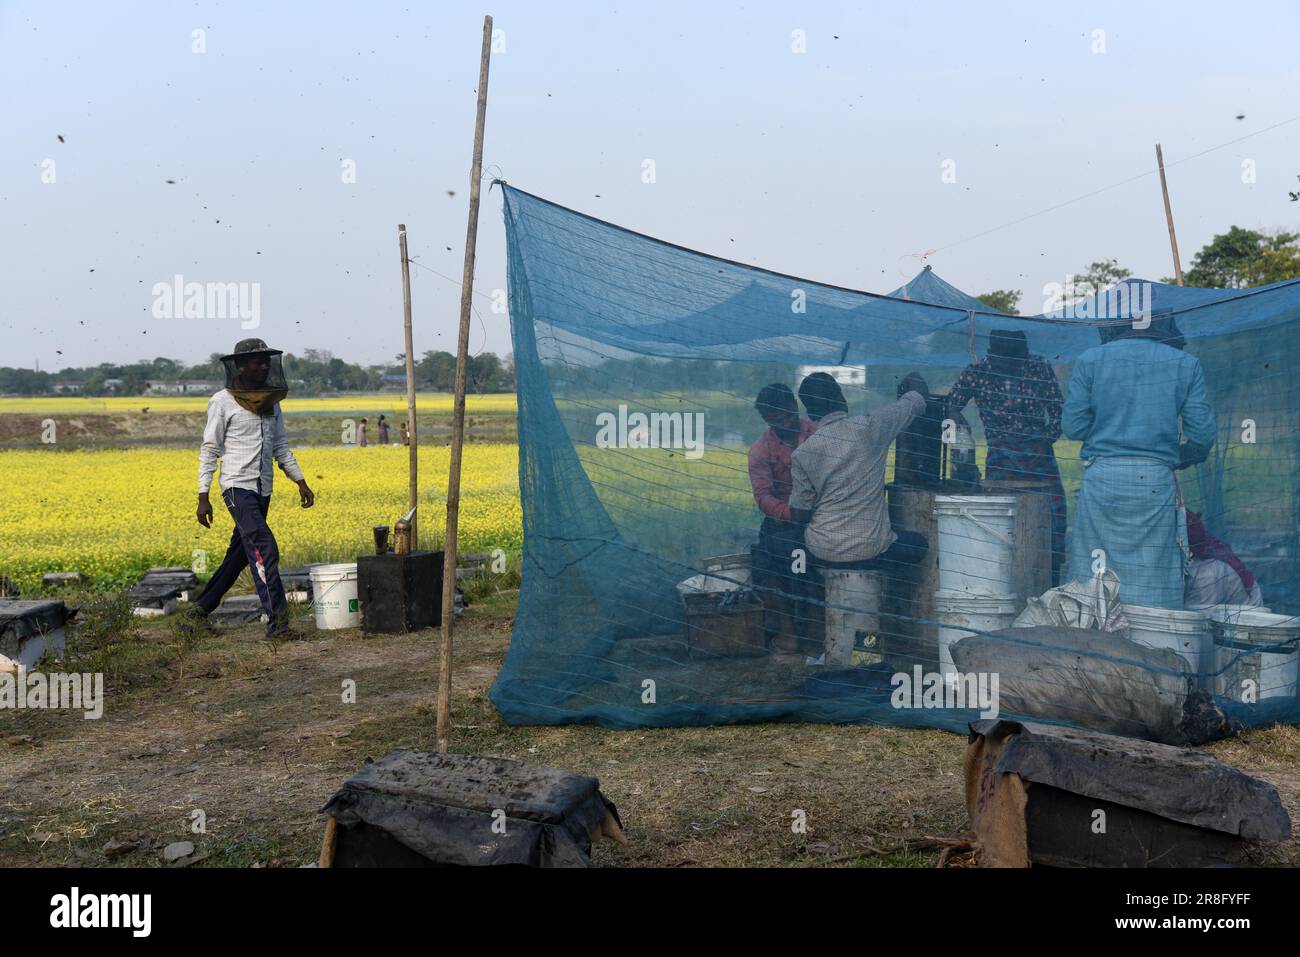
245 430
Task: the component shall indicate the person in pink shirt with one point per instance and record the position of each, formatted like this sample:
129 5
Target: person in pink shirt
785 593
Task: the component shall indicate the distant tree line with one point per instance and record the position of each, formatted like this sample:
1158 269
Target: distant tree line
1231 260
316 371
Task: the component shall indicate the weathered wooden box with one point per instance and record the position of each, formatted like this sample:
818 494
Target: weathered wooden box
1053 796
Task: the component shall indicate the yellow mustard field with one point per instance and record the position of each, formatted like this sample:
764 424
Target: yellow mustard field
434 403
112 514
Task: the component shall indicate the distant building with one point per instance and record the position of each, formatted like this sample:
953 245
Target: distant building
182 387
393 380
112 385
851 376
69 386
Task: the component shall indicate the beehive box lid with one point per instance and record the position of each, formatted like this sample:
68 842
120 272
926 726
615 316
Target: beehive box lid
153 591
237 610
1180 784
182 577
296 577
444 806
21 619
51 578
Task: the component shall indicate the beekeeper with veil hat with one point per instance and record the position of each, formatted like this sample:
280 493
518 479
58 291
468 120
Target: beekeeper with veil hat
245 431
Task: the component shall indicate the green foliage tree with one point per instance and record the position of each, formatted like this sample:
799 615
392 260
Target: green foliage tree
314 372
1003 300
24 382
1099 276
1245 257
436 371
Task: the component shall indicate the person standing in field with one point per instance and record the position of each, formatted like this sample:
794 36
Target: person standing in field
245 431
361 434
778 537
383 430
1128 400
406 436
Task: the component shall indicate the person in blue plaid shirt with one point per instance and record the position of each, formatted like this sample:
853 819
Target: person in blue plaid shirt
1019 403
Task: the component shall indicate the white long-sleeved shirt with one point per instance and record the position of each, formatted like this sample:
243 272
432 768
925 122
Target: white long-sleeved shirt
246 444
839 474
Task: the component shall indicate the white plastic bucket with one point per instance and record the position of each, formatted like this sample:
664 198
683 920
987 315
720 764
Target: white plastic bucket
858 592
962 614
1186 633
1228 612
1248 669
334 596
976 543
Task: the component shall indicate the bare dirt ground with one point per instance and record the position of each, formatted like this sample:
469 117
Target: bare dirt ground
257 739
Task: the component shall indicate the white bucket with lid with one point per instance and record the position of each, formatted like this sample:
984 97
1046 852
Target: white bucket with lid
1256 651
962 614
334 596
1184 632
976 543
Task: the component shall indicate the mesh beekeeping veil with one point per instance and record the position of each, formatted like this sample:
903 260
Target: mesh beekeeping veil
255 376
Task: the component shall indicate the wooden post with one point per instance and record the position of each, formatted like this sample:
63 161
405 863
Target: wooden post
413 494
1169 216
458 406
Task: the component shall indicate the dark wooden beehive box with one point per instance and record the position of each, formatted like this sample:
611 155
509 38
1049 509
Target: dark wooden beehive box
433 809
1059 797
400 593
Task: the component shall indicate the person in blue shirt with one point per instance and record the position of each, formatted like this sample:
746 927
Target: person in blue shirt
1128 400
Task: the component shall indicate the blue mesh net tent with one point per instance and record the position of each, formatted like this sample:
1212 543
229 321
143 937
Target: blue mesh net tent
646 599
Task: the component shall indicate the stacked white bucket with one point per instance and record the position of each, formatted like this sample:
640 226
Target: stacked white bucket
976 552
852 610
1238 652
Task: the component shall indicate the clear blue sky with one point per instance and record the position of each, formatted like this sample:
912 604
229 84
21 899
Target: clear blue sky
825 165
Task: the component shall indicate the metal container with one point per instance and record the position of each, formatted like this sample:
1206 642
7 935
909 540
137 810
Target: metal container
402 537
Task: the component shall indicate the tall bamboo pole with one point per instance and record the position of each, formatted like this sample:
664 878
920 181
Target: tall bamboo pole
458 407
1169 216
413 494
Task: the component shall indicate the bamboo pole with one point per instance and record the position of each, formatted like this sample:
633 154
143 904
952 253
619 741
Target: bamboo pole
1169 216
413 494
458 406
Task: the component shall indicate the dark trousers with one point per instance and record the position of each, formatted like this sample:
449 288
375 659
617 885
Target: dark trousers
253 546
791 599
908 549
